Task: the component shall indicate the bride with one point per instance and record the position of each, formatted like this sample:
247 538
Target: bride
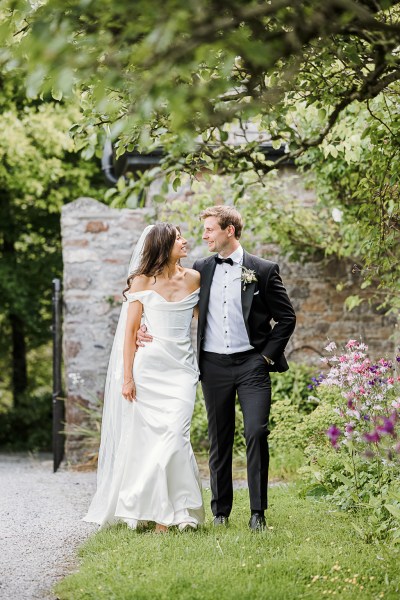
147 470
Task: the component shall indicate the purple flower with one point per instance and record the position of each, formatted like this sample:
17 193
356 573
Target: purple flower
398 358
333 434
388 425
372 438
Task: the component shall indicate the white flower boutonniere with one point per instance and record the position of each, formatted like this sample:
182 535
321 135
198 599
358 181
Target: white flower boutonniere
247 276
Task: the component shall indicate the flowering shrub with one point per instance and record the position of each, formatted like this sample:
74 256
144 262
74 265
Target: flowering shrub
358 466
371 401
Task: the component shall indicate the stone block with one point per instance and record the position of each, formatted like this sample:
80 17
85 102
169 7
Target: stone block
73 255
96 227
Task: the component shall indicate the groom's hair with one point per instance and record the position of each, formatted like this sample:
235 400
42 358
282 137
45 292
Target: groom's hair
226 215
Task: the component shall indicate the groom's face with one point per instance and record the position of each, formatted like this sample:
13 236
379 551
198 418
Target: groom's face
217 239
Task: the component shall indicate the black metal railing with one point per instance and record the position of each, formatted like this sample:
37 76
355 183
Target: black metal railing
58 400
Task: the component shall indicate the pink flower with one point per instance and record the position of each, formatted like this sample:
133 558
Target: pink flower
384 362
351 344
330 347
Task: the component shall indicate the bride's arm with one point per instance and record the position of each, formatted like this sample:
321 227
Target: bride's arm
132 325
194 278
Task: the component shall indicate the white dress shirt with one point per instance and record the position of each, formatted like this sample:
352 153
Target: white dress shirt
225 331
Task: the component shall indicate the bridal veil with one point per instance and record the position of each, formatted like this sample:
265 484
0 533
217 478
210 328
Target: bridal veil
116 412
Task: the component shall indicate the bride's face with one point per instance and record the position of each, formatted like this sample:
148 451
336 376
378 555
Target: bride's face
179 249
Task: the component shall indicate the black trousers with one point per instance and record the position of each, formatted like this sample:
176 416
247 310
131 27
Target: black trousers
224 376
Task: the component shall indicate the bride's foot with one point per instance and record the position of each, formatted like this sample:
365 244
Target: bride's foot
132 523
160 528
188 526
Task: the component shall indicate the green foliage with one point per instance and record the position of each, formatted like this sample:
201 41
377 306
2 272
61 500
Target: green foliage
40 171
359 182
309 551
300 430
28 427
301 75
168 74
352 480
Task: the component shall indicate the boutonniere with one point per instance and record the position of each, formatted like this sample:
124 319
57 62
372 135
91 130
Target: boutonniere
247 276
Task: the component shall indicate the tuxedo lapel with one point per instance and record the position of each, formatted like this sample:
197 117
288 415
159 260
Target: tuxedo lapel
247 292
207 275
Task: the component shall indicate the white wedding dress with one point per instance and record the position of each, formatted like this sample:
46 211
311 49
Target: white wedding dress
153 475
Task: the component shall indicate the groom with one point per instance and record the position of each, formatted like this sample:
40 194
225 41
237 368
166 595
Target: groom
236 349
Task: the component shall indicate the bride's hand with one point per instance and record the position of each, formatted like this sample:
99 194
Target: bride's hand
129 391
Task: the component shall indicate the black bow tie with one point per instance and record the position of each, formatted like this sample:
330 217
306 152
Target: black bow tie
219 260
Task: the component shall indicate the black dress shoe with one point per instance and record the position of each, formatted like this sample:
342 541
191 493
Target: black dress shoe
257 522
220 520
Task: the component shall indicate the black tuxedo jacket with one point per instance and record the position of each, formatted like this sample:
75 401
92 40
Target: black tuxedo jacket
262 301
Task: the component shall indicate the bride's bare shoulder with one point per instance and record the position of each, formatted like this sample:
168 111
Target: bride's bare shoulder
193 277
140 283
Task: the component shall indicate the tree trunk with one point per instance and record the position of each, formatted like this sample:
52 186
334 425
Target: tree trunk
19 366
8 233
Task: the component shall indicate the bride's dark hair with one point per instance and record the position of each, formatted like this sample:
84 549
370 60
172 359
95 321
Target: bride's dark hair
156 252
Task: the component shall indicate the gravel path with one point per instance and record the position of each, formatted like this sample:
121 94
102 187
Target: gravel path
40 523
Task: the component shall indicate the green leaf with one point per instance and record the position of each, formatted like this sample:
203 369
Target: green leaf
56 94
176 184
394 510
352 302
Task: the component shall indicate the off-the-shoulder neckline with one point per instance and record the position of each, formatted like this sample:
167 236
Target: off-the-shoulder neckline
165 300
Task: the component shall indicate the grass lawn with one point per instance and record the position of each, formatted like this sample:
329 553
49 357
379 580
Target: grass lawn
310 550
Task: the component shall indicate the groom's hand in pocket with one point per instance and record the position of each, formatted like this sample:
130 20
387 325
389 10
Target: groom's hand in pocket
142 337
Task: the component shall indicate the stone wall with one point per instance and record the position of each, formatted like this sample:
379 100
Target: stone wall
97 245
